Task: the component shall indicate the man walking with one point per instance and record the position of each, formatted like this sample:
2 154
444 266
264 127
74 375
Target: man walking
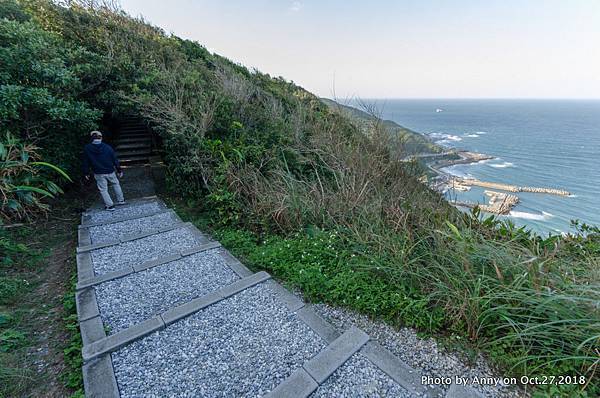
102 160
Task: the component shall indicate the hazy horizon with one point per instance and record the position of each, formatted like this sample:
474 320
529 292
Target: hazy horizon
408 49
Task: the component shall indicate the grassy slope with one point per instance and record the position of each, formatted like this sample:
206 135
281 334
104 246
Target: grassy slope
413 142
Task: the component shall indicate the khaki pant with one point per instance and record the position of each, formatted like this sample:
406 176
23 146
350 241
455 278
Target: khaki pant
103 181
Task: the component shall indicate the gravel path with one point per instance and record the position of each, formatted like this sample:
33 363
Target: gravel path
423 355
126 301
131 210
242 346
358 377
116 257
245 345
109 232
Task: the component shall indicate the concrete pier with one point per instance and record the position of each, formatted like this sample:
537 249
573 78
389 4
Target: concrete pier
466 182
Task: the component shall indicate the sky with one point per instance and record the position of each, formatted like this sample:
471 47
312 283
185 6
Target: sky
402 48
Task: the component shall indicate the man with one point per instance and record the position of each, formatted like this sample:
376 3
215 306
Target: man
102 160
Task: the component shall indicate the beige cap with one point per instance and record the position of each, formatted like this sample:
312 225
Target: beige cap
95 132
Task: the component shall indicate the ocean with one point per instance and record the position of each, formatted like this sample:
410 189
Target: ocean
539 143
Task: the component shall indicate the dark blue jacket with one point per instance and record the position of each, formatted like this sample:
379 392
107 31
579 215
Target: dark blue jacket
101 158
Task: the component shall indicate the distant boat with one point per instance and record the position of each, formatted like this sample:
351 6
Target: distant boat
438 110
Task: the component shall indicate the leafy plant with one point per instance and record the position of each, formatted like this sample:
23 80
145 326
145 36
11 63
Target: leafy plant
23 180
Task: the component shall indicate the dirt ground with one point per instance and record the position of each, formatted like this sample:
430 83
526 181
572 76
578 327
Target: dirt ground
37 367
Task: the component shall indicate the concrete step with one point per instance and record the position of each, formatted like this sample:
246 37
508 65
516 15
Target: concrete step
134 139
138 134
352 363
133 127
135 250
142 143
134 162
130 132
123 150
242 345
136 145
134 208
132 156
132 152
103 241
137 226
164 311
130 160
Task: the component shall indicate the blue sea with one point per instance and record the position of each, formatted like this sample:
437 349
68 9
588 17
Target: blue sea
539 143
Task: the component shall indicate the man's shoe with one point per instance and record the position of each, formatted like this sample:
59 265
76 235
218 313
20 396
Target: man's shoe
121 203
109 208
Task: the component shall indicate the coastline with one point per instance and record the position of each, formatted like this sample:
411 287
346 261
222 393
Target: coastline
436 153
500 201
465 157
443 179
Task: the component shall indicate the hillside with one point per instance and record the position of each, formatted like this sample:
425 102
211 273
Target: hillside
290 185
412 142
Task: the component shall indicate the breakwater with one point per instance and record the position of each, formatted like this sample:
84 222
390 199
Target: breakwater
499 202
466 182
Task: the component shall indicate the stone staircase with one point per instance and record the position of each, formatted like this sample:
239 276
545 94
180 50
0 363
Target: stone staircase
166 311
134 142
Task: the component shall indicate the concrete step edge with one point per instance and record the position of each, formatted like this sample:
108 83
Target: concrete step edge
126 336
129 238
99 279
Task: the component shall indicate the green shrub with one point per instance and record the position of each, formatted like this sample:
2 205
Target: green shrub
326 268
10 289
11 339
5 320
40 82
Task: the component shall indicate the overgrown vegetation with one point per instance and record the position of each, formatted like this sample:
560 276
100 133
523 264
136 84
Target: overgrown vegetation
300 189
72 376
37 260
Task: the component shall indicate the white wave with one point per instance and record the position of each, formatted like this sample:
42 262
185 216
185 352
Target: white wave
502 165
436 135
455 172
480 132
471 135
531 216
445 137
484 161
